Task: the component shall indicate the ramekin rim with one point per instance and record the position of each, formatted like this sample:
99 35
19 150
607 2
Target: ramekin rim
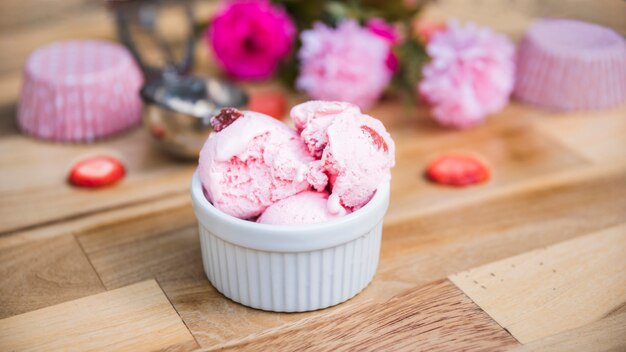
296 237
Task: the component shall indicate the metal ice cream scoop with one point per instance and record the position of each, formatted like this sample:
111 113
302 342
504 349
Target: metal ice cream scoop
177 106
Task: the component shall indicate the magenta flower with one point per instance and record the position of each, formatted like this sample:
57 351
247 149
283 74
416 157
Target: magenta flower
470 75
386 31
347 63
249 38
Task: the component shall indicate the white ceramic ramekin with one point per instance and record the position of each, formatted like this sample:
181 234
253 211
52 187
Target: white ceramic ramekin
290 268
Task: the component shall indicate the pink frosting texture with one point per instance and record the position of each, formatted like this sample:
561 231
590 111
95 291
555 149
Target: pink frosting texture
251 164
303 208
256 166
470 76
347 63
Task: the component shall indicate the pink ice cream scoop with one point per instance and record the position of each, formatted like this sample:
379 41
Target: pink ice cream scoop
571 65
303 208
313 118
250 162
356 151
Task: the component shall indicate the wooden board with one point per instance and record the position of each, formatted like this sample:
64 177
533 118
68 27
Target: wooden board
23 183
414 253
510 146
546 291
434 317
607 334
135 215
580 131
134 318
43 273
538 213
513 17
556 179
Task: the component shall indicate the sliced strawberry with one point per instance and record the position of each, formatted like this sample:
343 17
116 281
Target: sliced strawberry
272 103
157 131
96 171
225 117
424 30
457 170
377 139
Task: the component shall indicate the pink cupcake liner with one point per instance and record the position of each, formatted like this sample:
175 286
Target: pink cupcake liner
571 65
79 91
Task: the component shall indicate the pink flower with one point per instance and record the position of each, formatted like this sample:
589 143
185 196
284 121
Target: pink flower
386 31
383 29
470 75
249 38
347 63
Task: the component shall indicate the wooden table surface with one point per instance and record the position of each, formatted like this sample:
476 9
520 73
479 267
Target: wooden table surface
535 259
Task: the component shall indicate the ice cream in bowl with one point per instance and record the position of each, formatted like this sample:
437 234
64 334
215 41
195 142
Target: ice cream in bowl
291 219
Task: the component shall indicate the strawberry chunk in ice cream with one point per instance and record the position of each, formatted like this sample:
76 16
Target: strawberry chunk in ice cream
250 162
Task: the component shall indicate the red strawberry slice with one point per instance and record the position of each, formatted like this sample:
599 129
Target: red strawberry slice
225 117
457 170
271 103
96 171
157 131
377 139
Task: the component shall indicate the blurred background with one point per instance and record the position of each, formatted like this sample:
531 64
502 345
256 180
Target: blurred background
28 24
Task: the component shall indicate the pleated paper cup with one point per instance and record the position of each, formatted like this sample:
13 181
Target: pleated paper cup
291 268
79 91
568 65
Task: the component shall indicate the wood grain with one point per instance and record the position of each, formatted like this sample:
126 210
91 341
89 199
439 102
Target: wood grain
437 316
580 131
607 334
15 48
128 259
42 273
133 318
547 291
131 218
509 145
173 258
15 14
539 213
416 252
10 84
94 21
36 170
556 177
512 17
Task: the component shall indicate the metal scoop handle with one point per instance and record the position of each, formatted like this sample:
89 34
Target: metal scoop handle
143 14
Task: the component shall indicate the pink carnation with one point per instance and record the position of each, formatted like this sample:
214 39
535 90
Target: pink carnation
470 76
348 63
250 38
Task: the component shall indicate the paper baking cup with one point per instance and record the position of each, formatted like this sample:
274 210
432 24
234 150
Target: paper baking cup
79 91
290 268
571 65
